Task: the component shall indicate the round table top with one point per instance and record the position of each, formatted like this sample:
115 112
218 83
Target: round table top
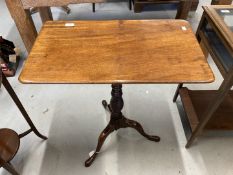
9 144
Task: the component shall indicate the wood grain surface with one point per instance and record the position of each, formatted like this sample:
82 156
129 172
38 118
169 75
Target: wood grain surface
23 21
125 51
9 144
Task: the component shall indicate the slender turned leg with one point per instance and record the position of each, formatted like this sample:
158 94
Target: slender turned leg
183 9
177 92
130 5
117 121
93 7
108 130
20 106
138 127
10 168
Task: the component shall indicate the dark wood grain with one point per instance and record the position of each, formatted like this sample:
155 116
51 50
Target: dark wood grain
45 14
221 2
9 144
183 9
130 51
0 76
194 5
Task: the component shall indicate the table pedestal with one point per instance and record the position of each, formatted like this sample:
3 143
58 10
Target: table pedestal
117 121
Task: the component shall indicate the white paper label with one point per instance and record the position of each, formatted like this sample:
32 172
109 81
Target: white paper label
225 11
184 28
12 58
91 153
69 24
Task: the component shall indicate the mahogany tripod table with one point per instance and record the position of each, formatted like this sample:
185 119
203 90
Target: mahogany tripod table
116 52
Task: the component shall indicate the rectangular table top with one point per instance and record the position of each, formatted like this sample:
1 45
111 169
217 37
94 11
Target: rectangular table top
116 51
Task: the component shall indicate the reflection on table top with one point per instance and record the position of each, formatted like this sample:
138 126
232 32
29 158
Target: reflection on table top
227 15
221 16
116 51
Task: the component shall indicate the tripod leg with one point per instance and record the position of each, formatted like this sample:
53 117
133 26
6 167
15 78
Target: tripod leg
139 128
108 130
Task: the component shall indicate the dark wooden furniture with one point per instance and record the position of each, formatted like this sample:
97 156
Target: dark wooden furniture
9 140
221 2
211 109
183 7
9 145
182 11
195 3
116 58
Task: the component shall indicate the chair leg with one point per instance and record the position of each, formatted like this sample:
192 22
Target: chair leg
130 5
10 168
183 9
177 92
66 9
20 106
93 7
